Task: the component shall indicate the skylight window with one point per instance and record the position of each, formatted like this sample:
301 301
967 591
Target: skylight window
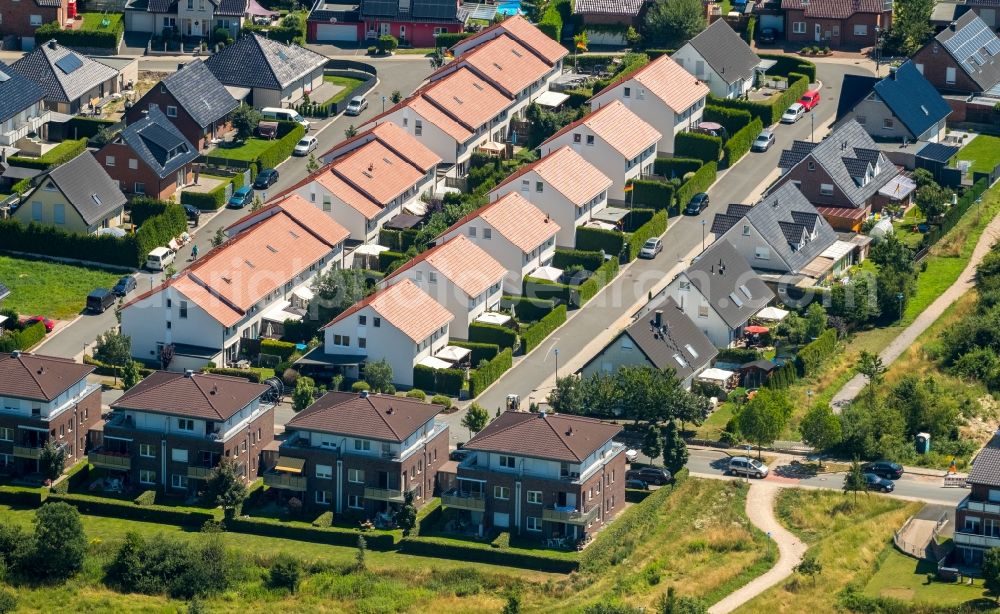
272 249
735 299
282 55
746 292
694 354
97 199
4 76
249 263
680 360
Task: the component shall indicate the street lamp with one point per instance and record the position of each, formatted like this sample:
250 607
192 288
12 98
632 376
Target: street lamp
812 127
383 104
748 458
899 297
703 235
557 366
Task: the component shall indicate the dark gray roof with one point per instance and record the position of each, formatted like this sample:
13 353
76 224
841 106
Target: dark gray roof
794 234
912 98
721 274
853 90
17 93
794 155
62 79
677 345
200 94
724 221
159 143
87 188
230 7
426 10
256 61
986 465
162 6
726 52
608 7
975 47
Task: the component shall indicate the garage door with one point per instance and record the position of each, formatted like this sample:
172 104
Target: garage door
500 520
326 32
138 21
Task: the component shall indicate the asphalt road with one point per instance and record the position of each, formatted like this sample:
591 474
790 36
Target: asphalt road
403 74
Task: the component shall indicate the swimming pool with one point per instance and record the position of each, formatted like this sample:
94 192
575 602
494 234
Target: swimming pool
509 8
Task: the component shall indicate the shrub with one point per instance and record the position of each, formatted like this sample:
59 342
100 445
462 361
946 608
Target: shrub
87 127
676 167
207 201
768 112
8 601
80 39
387 43
423 377
536 333
568 257
143 208
493 334
450 381
544 289
360 386
733 120
812 355
501 541
480 351
440 399
483 376
787 64
601 277
324 520
388 258
739 144
597 239
147 497
248 374
704 147
651 193
447 40
551 22
738 355
282 349
64 152
656 226
475 552
527 309
702 180
416 393
285 572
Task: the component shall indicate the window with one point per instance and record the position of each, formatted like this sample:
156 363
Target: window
357 476
343 340
703 310
179 455
179 480
6 434
534 523
362 445
36 20
418 127
811 165
185 424
799 27
535 496
507 461
362 342
888 123
362 320
109 160
354 502
685 285
826 189
182 308
377 322
762 253
146 450
501 492
140 188
133 164
576 138
860 29
590 139
323 497
746 230
432 277
147 476
59 213
171 111
472 231
539 187
324 471
487 233
949 75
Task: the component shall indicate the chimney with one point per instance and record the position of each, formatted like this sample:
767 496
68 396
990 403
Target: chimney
181 65
952 26
389 411
15 354
363 394
658 318
892 72
52 44
541 414
188 373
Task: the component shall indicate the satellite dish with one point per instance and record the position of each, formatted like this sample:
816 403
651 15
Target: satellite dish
275 390
333 20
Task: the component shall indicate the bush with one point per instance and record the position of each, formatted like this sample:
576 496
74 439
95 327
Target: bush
788 64
447 40
207 201
8 601
544 289
536 333
676 167
387 43
652 193
360 386
450 381
282 349
551 22
480 351
324 520
81 39
64 152
423 377
601 277
501 541
477 552
527 309
22 339
147 497
811 356
440 399
482 377
771 111
597 239
738 355
143 208
733 120
739 144
102 506
416 393
701 182
388 258
87 127
655 227
248 374
285 572
568 257
492 334
704 147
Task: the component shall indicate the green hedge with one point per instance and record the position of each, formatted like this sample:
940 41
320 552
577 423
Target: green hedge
601 277
22 339
811 356
447 381
397 240
597 239
739 143
551 22
536 333
527 309
479 552
143 208
788 64
704 147
282 349
637 217
770 112
651 193
578 97
207 201
536 288
701 182
114 508
253 376
634 495
733 120
480 351
653 228
60 154
492 333
568 257
423 377
109 370
81 39
23 495
87 127
387 258
289 133
676 167
333 536
482 377
738 355
447 40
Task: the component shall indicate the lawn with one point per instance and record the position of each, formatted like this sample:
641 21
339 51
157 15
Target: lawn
904 578
348 83
846 538
983 152
248 151
716 423
92 22
49 288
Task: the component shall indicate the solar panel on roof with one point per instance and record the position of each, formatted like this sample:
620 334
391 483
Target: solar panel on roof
68 63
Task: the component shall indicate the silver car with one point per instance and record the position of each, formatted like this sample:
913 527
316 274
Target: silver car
651 248
763 141
356 106
305 146
793 114
743 465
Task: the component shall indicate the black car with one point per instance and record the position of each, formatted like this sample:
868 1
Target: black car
193 213
874 482
698 204
124 286
99 300
885 469
766 36
265 179
459 455
636 484
650 475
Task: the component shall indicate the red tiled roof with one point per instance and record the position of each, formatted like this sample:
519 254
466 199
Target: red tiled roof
381 417
467 98
835 9
322 226
198 395
39 378
549 436
526 34
517 220
668 81
405 306
505 62
406 146
464 263
618 126
377 172
566 171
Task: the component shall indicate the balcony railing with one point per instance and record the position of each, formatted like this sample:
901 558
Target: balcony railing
569 516
972 539
105 460
472 501
199 472
980 506
287 482
385 494
31 125
27 452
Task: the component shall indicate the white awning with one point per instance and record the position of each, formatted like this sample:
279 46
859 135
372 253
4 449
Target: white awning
716 375
434 363
838 250
370 249
278 314
898 188
766 65
417 207
772 314
303 292
549 273
493 317
453 353
551 99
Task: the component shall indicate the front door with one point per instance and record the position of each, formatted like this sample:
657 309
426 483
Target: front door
383 29
819 32
196 29
402 34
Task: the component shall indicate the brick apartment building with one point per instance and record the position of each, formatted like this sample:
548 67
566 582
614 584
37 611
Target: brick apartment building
977 516
43 399
22 17
358 454
172 429
550 476
851 24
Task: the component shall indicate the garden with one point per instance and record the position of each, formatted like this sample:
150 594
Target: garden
95 31
983 152
52 289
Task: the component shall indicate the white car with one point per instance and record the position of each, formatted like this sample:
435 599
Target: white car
356 106
306 145
794 112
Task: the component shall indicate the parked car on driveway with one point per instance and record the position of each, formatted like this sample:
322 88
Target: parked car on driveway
636 484
763 141
810 99
651 248
698 204
241 198
49 324
766 36
265 179
124 286
885 469
192 213
356 106
650 475
743 465
874 482
99 300
793 114
306 145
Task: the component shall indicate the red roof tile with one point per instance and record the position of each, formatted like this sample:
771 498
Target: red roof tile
619 127
462 262
405 306
566 171
503 61
467 98
668 81
517 220
526 34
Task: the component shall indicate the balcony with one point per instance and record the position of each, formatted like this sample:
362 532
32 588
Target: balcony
33 124
27 452
385 494
472 501
980 506
285 481
972 539
568 516
106 460
199 472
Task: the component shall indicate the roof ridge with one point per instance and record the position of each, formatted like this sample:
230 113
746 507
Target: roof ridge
151 386
421 257
382 418
208 399
267 60
38 382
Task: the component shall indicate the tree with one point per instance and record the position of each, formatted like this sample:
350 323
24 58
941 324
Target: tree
51 460
219 237
991 571
166 355
652 445
104 136
225 486
131 375
302 396
923 177
567 396
892 253
815 320
195 606
476 418
894 290
647 391
513 605
670 603
338 289
378 374
870 365
359 557
932 200
911 23
820 428
396 96
764 417
406 515
245 119
113 348
312 164
857 300
675 452
60 544
580 41
387 43
810 566
285 572
855 481
124 572
256 205
671 23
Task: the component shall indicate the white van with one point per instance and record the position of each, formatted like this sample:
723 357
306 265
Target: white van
159 258
288 115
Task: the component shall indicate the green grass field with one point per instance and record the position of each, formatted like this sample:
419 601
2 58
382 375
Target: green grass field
92 21
49 288
904 578
348 83
250 150
983 151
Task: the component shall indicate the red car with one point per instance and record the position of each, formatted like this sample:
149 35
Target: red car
49 324
810 99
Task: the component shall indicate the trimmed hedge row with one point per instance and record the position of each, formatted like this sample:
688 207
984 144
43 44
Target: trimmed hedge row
282 349
536 288
597 239
22 339
289 133
704 147
601 277
652 193
787 64
387 258
475 552
655 227
491 333
23 496
568 257
702 180
208 201
109 370
143 208
82 39
676 167
811 356
247 374
480 351
448 381
637 217
61 153
536 333
333 536
113 508
481 377
739 143
88 127
449 39
769 112
527 309
397 240
733 120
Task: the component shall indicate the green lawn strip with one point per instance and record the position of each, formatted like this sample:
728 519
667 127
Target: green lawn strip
52 289
712 427
249 151
92 21
348 83
905 578
983 152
